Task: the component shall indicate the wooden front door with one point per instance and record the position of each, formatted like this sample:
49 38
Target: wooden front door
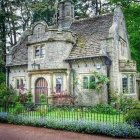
41 87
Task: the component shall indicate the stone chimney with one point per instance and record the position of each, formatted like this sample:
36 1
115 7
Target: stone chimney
66 14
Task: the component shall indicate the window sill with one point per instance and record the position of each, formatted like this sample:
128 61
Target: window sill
40 58
129 94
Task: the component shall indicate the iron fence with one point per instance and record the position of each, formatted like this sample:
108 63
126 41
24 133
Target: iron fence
63 113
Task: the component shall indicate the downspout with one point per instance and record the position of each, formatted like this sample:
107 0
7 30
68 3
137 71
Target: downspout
72 86
108 84
71 79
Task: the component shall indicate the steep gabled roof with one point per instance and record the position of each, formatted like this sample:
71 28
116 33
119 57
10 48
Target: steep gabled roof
90 32
20 55
19 52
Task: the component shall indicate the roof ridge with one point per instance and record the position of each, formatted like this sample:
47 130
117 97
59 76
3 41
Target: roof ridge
88 18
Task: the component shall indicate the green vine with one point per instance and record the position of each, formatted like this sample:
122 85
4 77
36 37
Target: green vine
99 82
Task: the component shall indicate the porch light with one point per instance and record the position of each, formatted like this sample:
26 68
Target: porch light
34 65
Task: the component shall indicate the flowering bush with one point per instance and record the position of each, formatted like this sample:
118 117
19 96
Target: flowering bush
116 130
62 99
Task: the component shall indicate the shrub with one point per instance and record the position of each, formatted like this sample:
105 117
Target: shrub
19 108
122 101
116 130
42 98
105 109
7 95
29 98
3 116
22 98
2 77
30 106
133 116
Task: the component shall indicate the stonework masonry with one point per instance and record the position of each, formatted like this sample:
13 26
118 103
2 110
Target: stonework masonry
73 50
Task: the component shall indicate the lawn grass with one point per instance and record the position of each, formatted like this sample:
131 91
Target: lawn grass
74 115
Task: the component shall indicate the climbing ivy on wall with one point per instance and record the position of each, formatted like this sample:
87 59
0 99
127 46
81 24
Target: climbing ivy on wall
100 81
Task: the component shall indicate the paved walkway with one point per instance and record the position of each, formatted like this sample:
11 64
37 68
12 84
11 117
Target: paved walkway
15 132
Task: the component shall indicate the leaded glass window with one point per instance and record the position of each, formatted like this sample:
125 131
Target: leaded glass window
59 84
85 82
39 52
88 82
125 83
128 84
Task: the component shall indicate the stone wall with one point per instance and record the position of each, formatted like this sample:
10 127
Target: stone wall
55 54
118 33
86 68
18 72
50 78
57 44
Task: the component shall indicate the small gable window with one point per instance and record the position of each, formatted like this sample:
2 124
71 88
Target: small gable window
39 52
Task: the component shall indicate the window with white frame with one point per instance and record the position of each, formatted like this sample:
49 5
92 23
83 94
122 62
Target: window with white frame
89 82
128 84
59 82
40 51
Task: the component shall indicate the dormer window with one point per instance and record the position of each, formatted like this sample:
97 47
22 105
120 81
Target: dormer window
39 51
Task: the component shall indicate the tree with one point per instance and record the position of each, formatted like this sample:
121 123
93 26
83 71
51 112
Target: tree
43 10
132 15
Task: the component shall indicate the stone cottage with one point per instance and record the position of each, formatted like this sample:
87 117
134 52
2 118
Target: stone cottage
61 59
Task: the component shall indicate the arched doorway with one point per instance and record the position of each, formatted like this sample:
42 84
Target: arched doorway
41 87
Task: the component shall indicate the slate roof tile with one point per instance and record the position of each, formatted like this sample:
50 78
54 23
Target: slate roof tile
93 30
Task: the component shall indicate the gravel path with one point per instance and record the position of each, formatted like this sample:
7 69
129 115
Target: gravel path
15 132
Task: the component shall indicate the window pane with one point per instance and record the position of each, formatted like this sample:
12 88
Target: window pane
131 84
17 83
42 51
37 52
125 83
21 82
92 82
85 82
58 84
